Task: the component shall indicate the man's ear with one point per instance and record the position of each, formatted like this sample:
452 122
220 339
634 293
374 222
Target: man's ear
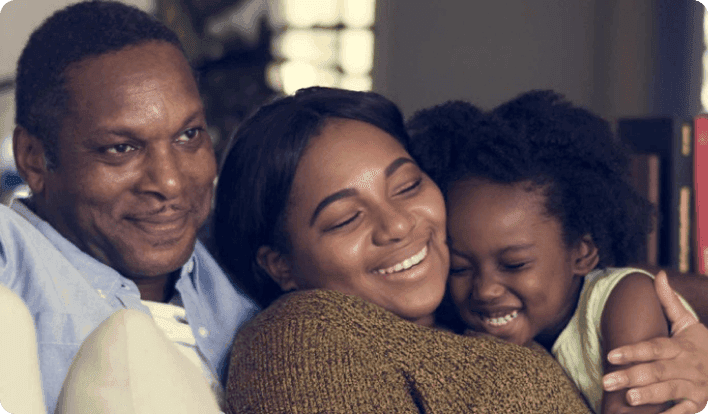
29 158
585 256
277 266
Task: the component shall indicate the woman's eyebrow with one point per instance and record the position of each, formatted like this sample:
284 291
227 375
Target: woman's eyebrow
347 192
395 165
350 192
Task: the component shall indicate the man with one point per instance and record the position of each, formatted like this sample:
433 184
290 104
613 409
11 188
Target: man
111 138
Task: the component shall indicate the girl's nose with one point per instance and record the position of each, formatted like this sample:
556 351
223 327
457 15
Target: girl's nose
486 287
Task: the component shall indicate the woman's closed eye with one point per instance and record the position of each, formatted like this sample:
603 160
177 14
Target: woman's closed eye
410 187
344 223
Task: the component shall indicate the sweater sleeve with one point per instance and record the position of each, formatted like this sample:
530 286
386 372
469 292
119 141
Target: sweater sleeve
480 373
304 355
322 351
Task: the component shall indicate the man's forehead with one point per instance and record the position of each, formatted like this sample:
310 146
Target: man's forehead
130 72
151 62
149 86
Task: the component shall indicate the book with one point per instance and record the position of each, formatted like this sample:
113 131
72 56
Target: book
700 185
671 139
646 180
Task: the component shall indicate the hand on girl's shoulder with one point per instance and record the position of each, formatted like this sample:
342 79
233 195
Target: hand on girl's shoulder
632 314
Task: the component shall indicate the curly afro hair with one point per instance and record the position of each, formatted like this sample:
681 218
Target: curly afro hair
79 31
565 151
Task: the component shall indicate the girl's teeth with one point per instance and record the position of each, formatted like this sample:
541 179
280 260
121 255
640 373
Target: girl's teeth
501 320
406 264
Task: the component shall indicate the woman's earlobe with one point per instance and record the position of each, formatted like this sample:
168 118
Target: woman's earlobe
587 256
277 266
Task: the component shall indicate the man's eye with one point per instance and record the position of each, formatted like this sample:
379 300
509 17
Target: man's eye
457 270
120 149
189 134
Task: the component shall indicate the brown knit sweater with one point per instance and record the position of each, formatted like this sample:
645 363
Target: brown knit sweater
322 351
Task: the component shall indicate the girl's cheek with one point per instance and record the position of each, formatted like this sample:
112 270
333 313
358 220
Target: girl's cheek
458 292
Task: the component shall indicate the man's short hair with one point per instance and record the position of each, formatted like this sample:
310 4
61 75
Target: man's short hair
82 30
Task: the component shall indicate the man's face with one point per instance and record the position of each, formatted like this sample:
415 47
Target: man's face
135 164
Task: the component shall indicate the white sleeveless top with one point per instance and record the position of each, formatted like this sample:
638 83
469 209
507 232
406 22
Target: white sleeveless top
579 346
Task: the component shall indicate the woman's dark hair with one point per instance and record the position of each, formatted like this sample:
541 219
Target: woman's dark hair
565 151
259 168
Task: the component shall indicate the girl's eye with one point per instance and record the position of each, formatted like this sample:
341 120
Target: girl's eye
189 134
120 149
513 266
344 223
457 270
411 187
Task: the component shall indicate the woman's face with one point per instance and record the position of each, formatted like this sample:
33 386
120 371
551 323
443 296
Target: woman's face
364 220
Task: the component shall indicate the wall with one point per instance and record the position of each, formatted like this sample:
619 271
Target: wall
17 20
617 57
603 54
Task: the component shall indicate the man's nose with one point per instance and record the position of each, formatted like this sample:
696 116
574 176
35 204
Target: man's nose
163 173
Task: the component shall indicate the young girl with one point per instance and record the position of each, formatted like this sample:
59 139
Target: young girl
539 217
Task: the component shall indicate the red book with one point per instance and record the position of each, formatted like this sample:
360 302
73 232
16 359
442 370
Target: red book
700 182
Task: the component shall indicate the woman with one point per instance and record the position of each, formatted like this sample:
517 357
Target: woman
327 202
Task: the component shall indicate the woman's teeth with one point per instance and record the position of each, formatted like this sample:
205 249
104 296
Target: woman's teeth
501 321
406 264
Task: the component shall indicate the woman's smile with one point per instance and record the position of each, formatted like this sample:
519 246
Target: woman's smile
406 264
363 219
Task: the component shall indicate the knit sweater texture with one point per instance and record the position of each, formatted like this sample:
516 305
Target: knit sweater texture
321 351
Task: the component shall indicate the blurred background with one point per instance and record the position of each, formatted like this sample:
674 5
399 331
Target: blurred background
619 58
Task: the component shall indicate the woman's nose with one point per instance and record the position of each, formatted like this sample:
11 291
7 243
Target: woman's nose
394 223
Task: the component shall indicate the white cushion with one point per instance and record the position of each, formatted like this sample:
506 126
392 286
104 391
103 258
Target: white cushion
127 365
20 384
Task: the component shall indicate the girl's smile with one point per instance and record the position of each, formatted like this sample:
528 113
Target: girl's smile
512 274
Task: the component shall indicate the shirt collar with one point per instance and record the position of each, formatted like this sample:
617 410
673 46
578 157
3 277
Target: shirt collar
101 277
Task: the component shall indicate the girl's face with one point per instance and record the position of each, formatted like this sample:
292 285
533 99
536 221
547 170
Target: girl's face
363 219
511 275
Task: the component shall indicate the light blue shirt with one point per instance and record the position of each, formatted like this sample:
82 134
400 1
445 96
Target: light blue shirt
69 293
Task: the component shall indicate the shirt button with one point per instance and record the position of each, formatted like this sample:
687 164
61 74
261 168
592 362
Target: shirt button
203 332
189 267
101 294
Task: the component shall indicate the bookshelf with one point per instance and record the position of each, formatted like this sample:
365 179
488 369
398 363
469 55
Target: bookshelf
669 167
